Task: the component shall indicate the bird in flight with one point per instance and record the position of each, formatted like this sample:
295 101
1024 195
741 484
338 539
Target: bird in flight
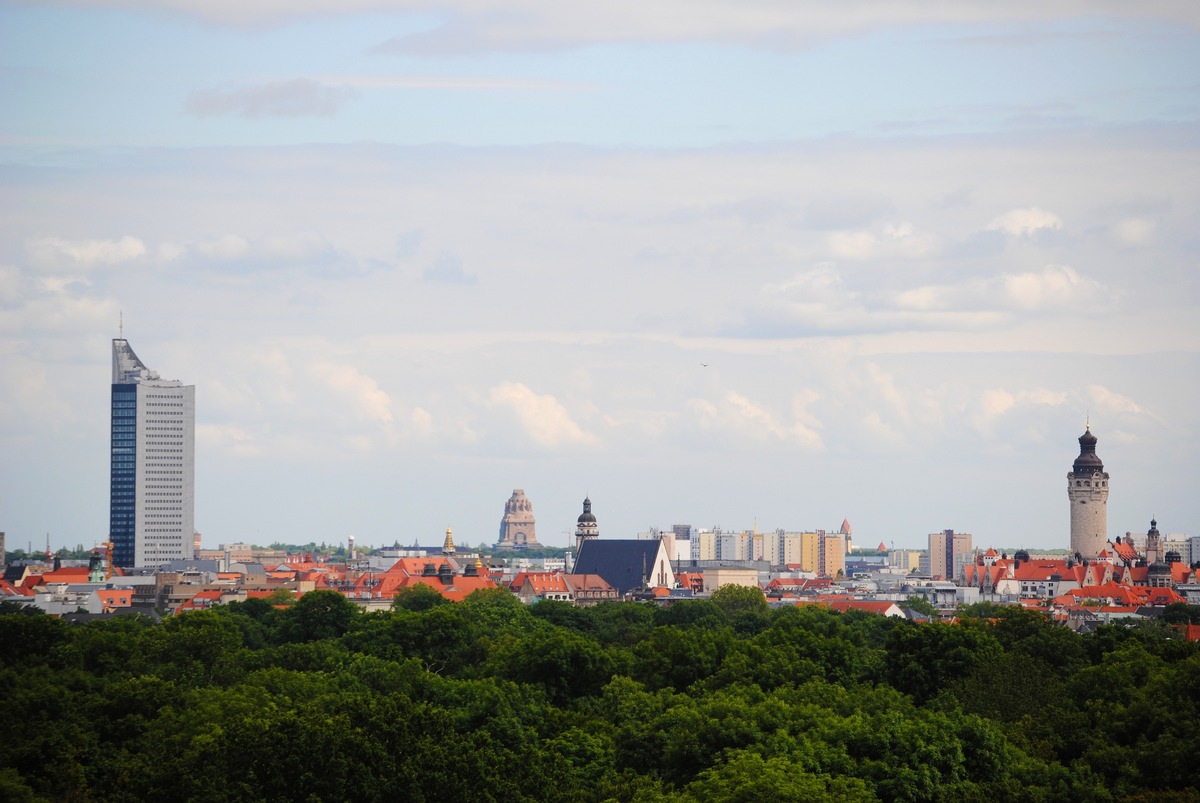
703 365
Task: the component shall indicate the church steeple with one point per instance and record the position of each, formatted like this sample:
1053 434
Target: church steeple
448 544
586 527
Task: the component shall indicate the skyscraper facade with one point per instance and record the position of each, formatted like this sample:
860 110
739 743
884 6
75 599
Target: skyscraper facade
1087 490
948 551
152 475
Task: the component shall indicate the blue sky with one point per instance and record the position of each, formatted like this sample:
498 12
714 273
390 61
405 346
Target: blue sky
414 256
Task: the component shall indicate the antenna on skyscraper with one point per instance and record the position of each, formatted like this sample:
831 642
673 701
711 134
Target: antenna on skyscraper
121 324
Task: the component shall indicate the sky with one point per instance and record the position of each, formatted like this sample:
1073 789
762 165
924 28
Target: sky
730 264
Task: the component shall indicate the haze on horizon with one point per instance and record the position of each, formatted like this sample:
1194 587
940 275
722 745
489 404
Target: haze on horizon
714 264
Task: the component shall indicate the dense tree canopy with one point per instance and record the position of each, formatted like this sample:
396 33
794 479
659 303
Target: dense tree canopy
706 700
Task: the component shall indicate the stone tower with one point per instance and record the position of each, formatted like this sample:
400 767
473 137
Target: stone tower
517 528
586 527
1154 550
1087 488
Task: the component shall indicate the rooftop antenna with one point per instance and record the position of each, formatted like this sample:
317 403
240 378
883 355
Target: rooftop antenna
121 324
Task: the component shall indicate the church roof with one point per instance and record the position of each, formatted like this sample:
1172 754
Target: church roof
623 563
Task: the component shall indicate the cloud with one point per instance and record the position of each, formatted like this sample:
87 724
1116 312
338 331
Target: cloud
229 246
542 418
894 240
305 249
1111 402
448 270
1054 287
852 244
997 402
838 211
58 252
1135 231
298 97
229 439
1025 222
739 419
365 396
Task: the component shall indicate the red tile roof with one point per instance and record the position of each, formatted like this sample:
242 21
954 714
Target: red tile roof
882 608
111 598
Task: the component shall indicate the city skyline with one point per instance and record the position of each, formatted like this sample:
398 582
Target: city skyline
780 266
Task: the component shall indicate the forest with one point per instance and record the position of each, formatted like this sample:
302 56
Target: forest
721 699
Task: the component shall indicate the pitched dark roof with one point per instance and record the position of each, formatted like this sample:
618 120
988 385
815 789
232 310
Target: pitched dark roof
624 564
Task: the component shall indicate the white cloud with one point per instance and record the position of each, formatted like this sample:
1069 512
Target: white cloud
304 248
1054 287
227 438
169 252
58 252
995 403
1135 231
368 400
904 240
852 244
1025 222
1109 401
896 240
739 418
542 417
61 313
815 292
229 246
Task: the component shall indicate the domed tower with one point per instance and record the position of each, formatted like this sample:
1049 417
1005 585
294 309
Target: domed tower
1087 489
1154 550
585 526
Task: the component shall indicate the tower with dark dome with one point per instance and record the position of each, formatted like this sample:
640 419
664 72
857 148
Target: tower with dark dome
586 527
1087 489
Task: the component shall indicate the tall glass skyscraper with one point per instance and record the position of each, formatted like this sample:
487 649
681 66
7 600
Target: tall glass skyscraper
152 482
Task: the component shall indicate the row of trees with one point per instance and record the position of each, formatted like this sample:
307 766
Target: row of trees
716 700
